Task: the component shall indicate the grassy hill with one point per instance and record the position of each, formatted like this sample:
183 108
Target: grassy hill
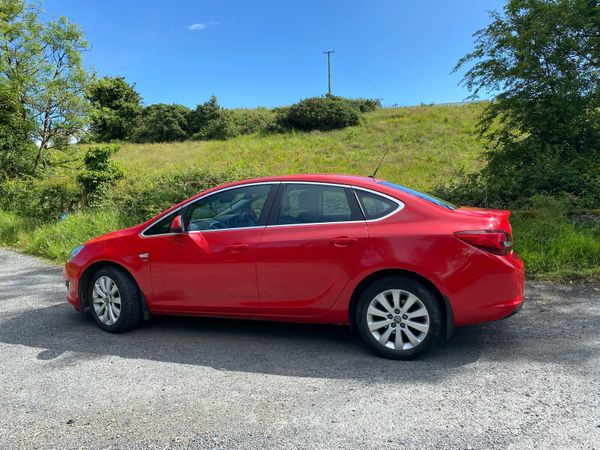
427 144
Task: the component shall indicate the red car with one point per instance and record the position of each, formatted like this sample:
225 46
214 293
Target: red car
402 267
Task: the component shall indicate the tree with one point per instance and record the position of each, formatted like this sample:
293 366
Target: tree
161 123
16 150
541 58
210 121
42 64
116 106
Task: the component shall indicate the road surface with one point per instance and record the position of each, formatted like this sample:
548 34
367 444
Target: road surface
532 381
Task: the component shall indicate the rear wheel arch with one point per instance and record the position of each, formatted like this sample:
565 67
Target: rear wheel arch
445 306
89 271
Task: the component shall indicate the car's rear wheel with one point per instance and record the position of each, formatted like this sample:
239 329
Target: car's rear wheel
115 300
398 317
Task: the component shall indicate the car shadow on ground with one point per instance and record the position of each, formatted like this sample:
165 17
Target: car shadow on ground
65 336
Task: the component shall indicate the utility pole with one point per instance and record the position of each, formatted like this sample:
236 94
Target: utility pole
329 52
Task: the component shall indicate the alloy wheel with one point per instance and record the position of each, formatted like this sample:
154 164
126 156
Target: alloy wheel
398 319
106 300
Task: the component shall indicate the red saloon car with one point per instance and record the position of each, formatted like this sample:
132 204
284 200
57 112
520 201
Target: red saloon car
400 266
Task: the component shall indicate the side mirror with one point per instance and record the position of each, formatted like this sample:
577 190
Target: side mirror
177 225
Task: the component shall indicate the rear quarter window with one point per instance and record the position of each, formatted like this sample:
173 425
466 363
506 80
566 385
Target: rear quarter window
375 206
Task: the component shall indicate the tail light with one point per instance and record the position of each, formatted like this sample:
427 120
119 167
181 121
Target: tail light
493 241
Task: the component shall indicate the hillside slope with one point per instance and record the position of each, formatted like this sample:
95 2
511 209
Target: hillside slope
427 144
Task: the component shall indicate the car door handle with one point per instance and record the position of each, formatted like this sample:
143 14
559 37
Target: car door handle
343 241
237 248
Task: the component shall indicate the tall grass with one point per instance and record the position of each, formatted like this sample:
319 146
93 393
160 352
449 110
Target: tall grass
555 247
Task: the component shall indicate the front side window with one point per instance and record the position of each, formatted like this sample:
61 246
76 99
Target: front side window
241 207
306 203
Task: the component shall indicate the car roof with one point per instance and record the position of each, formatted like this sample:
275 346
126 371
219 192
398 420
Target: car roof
353 180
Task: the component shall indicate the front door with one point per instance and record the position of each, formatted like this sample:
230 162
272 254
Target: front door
211 267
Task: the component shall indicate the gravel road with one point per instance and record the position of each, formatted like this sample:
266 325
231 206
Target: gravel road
532 381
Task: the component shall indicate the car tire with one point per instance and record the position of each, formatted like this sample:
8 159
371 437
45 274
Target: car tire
398 304
115 300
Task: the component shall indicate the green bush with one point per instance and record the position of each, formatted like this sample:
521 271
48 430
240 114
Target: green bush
161 123
319 113
13 228
147 197
99 173
364 105
42 199
248 121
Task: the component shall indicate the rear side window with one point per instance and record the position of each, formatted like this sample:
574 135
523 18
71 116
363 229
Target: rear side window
375 206
307 203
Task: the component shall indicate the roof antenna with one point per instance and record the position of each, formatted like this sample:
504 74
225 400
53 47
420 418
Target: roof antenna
380 163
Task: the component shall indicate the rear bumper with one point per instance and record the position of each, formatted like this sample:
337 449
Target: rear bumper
494 296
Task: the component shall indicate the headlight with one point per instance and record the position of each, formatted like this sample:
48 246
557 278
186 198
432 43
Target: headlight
75 252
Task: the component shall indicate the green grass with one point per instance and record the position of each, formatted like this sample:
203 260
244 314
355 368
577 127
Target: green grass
556 248
427 144
55 241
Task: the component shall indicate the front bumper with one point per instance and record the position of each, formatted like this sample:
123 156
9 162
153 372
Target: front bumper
70 273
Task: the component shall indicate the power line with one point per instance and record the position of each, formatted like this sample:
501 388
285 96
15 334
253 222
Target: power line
358 76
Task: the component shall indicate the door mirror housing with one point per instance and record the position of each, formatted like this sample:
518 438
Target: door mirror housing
177 224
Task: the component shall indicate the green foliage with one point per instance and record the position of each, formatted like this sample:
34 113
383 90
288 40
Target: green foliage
543 128
248 121
210 121
41 61
116 106
553 243
149 196
99 173
40 199
161 123
363 104
17 152
319 113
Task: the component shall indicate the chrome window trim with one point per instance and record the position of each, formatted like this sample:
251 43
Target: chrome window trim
365 220
322 183
258 183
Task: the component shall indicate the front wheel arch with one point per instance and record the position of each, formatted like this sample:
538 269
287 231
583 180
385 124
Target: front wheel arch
444 303
85 277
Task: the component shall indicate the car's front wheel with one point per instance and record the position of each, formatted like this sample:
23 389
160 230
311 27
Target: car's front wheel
398 317
115 300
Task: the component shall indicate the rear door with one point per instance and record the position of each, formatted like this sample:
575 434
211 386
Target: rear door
313 244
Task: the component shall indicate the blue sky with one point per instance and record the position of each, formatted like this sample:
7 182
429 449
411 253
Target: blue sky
269 53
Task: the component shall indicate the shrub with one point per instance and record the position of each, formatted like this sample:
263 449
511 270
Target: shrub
41 199
162 123
362 104
320 113
99 173
248 121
